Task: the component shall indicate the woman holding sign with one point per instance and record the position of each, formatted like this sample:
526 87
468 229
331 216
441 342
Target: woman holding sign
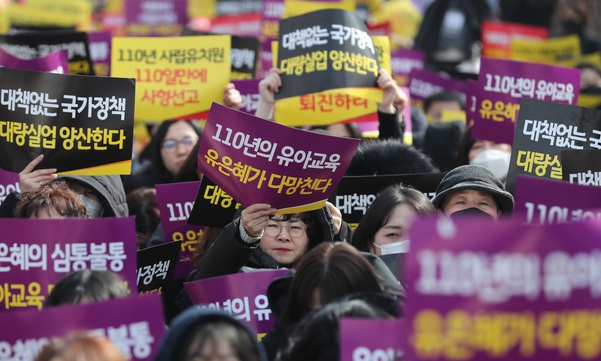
260 238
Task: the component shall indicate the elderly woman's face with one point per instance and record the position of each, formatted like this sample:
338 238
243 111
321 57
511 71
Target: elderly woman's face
470 198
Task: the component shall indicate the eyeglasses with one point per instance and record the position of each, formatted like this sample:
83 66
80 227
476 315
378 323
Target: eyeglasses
171 144
295 229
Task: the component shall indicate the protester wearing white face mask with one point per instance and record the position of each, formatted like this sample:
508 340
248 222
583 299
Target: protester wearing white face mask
493 156
385 227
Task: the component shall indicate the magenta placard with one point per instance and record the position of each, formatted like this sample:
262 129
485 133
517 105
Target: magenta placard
241 294
36 253
491 290
134 324
258 161
176 201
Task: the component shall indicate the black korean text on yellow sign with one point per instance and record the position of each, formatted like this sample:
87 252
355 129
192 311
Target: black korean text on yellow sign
175 77
335 105
82 124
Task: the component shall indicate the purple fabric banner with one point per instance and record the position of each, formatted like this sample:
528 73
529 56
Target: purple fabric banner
9 182
241 294
32 259
370 339
100 51
55 62
258 161
134 324
176 201
545 201
501 85
249 89
483 290
423 83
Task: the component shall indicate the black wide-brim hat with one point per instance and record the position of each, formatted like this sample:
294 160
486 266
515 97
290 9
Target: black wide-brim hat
477 178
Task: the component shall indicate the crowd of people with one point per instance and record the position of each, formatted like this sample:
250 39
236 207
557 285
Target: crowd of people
335 271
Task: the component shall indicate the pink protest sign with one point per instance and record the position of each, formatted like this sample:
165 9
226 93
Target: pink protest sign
502 84
249 90
241 294
176 201
370 339
485 290
55 62
546 201
134 324
36 253
423 83
258 161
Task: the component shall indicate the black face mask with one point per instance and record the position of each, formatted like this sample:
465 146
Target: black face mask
572 27
471 213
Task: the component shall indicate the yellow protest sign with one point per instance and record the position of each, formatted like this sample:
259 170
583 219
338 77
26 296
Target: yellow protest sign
176 77
60 13
299 7
335 105
564 51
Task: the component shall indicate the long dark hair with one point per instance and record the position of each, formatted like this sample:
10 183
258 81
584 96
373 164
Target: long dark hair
381 208
331 270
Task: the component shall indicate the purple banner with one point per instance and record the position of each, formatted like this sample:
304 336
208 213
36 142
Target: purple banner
370 339
176 201
155 18
241 294
9 182
258 161
55 62
32 259
403 61
501 85
100 51
482 290
134 324
544 201
249 90
423 83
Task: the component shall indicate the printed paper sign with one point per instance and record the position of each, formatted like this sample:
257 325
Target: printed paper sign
503 83
82 124
258 161
175 76
134 324
36 45
36 253
354 195
56 62
212 207
176 201
545 201
326 49
582 167
543 130
241 294
483 290
155 266
370 339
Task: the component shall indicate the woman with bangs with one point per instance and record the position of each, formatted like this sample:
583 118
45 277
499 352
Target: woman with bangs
260 238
